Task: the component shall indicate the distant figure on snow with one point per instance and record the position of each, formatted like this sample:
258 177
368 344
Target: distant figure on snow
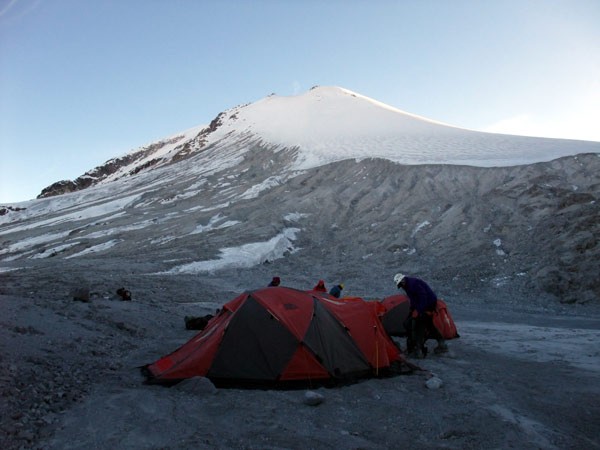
275 281
336 291
320 286
419 322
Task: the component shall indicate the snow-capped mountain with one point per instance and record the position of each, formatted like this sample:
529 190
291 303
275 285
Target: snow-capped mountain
328 124
328 184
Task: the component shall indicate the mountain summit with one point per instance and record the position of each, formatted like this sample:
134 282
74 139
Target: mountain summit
328 124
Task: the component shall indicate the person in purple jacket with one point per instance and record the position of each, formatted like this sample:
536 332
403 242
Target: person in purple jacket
419 323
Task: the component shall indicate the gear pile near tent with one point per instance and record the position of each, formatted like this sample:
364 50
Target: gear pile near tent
279 336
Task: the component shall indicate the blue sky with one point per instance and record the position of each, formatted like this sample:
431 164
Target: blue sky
84 81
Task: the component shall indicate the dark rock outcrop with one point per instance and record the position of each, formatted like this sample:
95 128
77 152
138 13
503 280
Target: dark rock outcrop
136 162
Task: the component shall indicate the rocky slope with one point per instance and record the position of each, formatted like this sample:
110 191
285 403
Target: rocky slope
528 228
229 199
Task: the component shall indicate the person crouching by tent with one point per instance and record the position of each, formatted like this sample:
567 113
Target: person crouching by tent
336 291
419 323
320 286
276 281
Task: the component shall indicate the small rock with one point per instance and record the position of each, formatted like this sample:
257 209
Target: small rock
124 294
312 398
434 383
197 385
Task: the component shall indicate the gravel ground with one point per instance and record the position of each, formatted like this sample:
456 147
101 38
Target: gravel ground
521 375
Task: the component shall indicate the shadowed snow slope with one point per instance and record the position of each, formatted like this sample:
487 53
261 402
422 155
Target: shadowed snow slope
330 124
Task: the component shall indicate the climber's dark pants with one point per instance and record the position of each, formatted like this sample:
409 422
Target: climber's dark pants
418 330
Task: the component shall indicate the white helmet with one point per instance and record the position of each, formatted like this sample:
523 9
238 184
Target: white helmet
398 278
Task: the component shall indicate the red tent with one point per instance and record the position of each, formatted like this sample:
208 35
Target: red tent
278 335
